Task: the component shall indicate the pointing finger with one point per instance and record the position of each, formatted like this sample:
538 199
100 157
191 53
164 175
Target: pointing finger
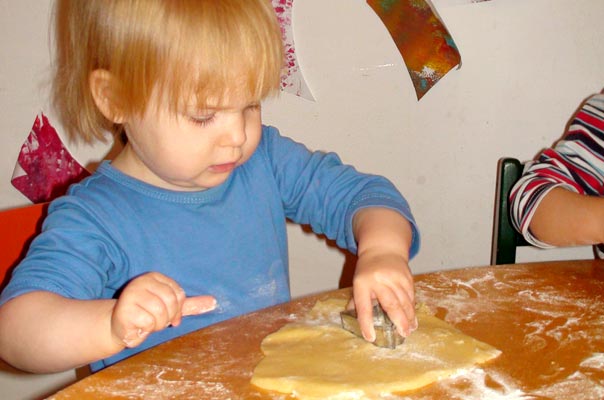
198 305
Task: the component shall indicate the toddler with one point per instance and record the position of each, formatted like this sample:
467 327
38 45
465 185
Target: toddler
186 226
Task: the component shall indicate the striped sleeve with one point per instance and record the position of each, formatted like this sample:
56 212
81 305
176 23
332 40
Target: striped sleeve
575 163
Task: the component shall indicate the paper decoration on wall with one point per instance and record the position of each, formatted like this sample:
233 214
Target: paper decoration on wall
425 44
448 3
45 168
292 80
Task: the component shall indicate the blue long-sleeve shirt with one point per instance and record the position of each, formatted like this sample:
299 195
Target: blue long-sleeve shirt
229 241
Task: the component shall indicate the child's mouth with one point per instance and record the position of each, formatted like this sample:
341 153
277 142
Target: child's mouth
222 168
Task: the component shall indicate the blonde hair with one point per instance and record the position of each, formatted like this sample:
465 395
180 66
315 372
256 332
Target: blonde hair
202 49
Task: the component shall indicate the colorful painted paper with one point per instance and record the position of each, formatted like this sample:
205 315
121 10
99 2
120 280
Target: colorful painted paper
449 3
428 49
45 168
292 80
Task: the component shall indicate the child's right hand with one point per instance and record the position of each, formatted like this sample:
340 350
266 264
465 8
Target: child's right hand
150 303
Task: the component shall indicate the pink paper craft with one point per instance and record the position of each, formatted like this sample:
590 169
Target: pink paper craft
45 168
292 80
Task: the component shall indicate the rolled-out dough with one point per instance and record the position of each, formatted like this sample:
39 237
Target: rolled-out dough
314 358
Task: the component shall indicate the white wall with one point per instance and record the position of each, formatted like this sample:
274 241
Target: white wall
527 64
18 385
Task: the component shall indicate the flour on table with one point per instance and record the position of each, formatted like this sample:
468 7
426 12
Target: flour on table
554 323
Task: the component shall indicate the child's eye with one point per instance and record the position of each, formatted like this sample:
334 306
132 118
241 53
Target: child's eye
203 120
253 107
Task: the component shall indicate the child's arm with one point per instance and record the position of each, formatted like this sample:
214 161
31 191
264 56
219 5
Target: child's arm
382 273
566 218
43 332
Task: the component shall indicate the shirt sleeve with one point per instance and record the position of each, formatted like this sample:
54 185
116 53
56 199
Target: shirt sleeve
317 189
575 163
70 257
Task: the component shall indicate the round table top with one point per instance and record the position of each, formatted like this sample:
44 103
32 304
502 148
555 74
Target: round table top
546 318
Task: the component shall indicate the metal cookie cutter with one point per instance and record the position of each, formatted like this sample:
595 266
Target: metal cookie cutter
386 334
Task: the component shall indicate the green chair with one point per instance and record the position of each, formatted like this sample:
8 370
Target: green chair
505 237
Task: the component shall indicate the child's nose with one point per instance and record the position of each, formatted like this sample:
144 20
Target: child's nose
234 135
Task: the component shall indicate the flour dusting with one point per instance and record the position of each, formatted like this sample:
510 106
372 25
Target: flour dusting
577 383
478 384
596 361
554 323
473 384
163 383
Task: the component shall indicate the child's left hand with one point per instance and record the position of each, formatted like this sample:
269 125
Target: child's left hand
384 278
382 272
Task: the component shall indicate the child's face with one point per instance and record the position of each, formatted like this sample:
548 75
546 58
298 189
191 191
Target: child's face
192 150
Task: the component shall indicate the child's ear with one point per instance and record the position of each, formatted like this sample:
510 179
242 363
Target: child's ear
102 86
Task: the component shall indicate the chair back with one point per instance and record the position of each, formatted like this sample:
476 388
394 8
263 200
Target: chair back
18 226
505 237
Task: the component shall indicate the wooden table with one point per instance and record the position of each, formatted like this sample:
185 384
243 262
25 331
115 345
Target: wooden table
546 318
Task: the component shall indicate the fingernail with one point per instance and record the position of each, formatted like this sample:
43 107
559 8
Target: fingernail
211 306
415 324
402 332
369 337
